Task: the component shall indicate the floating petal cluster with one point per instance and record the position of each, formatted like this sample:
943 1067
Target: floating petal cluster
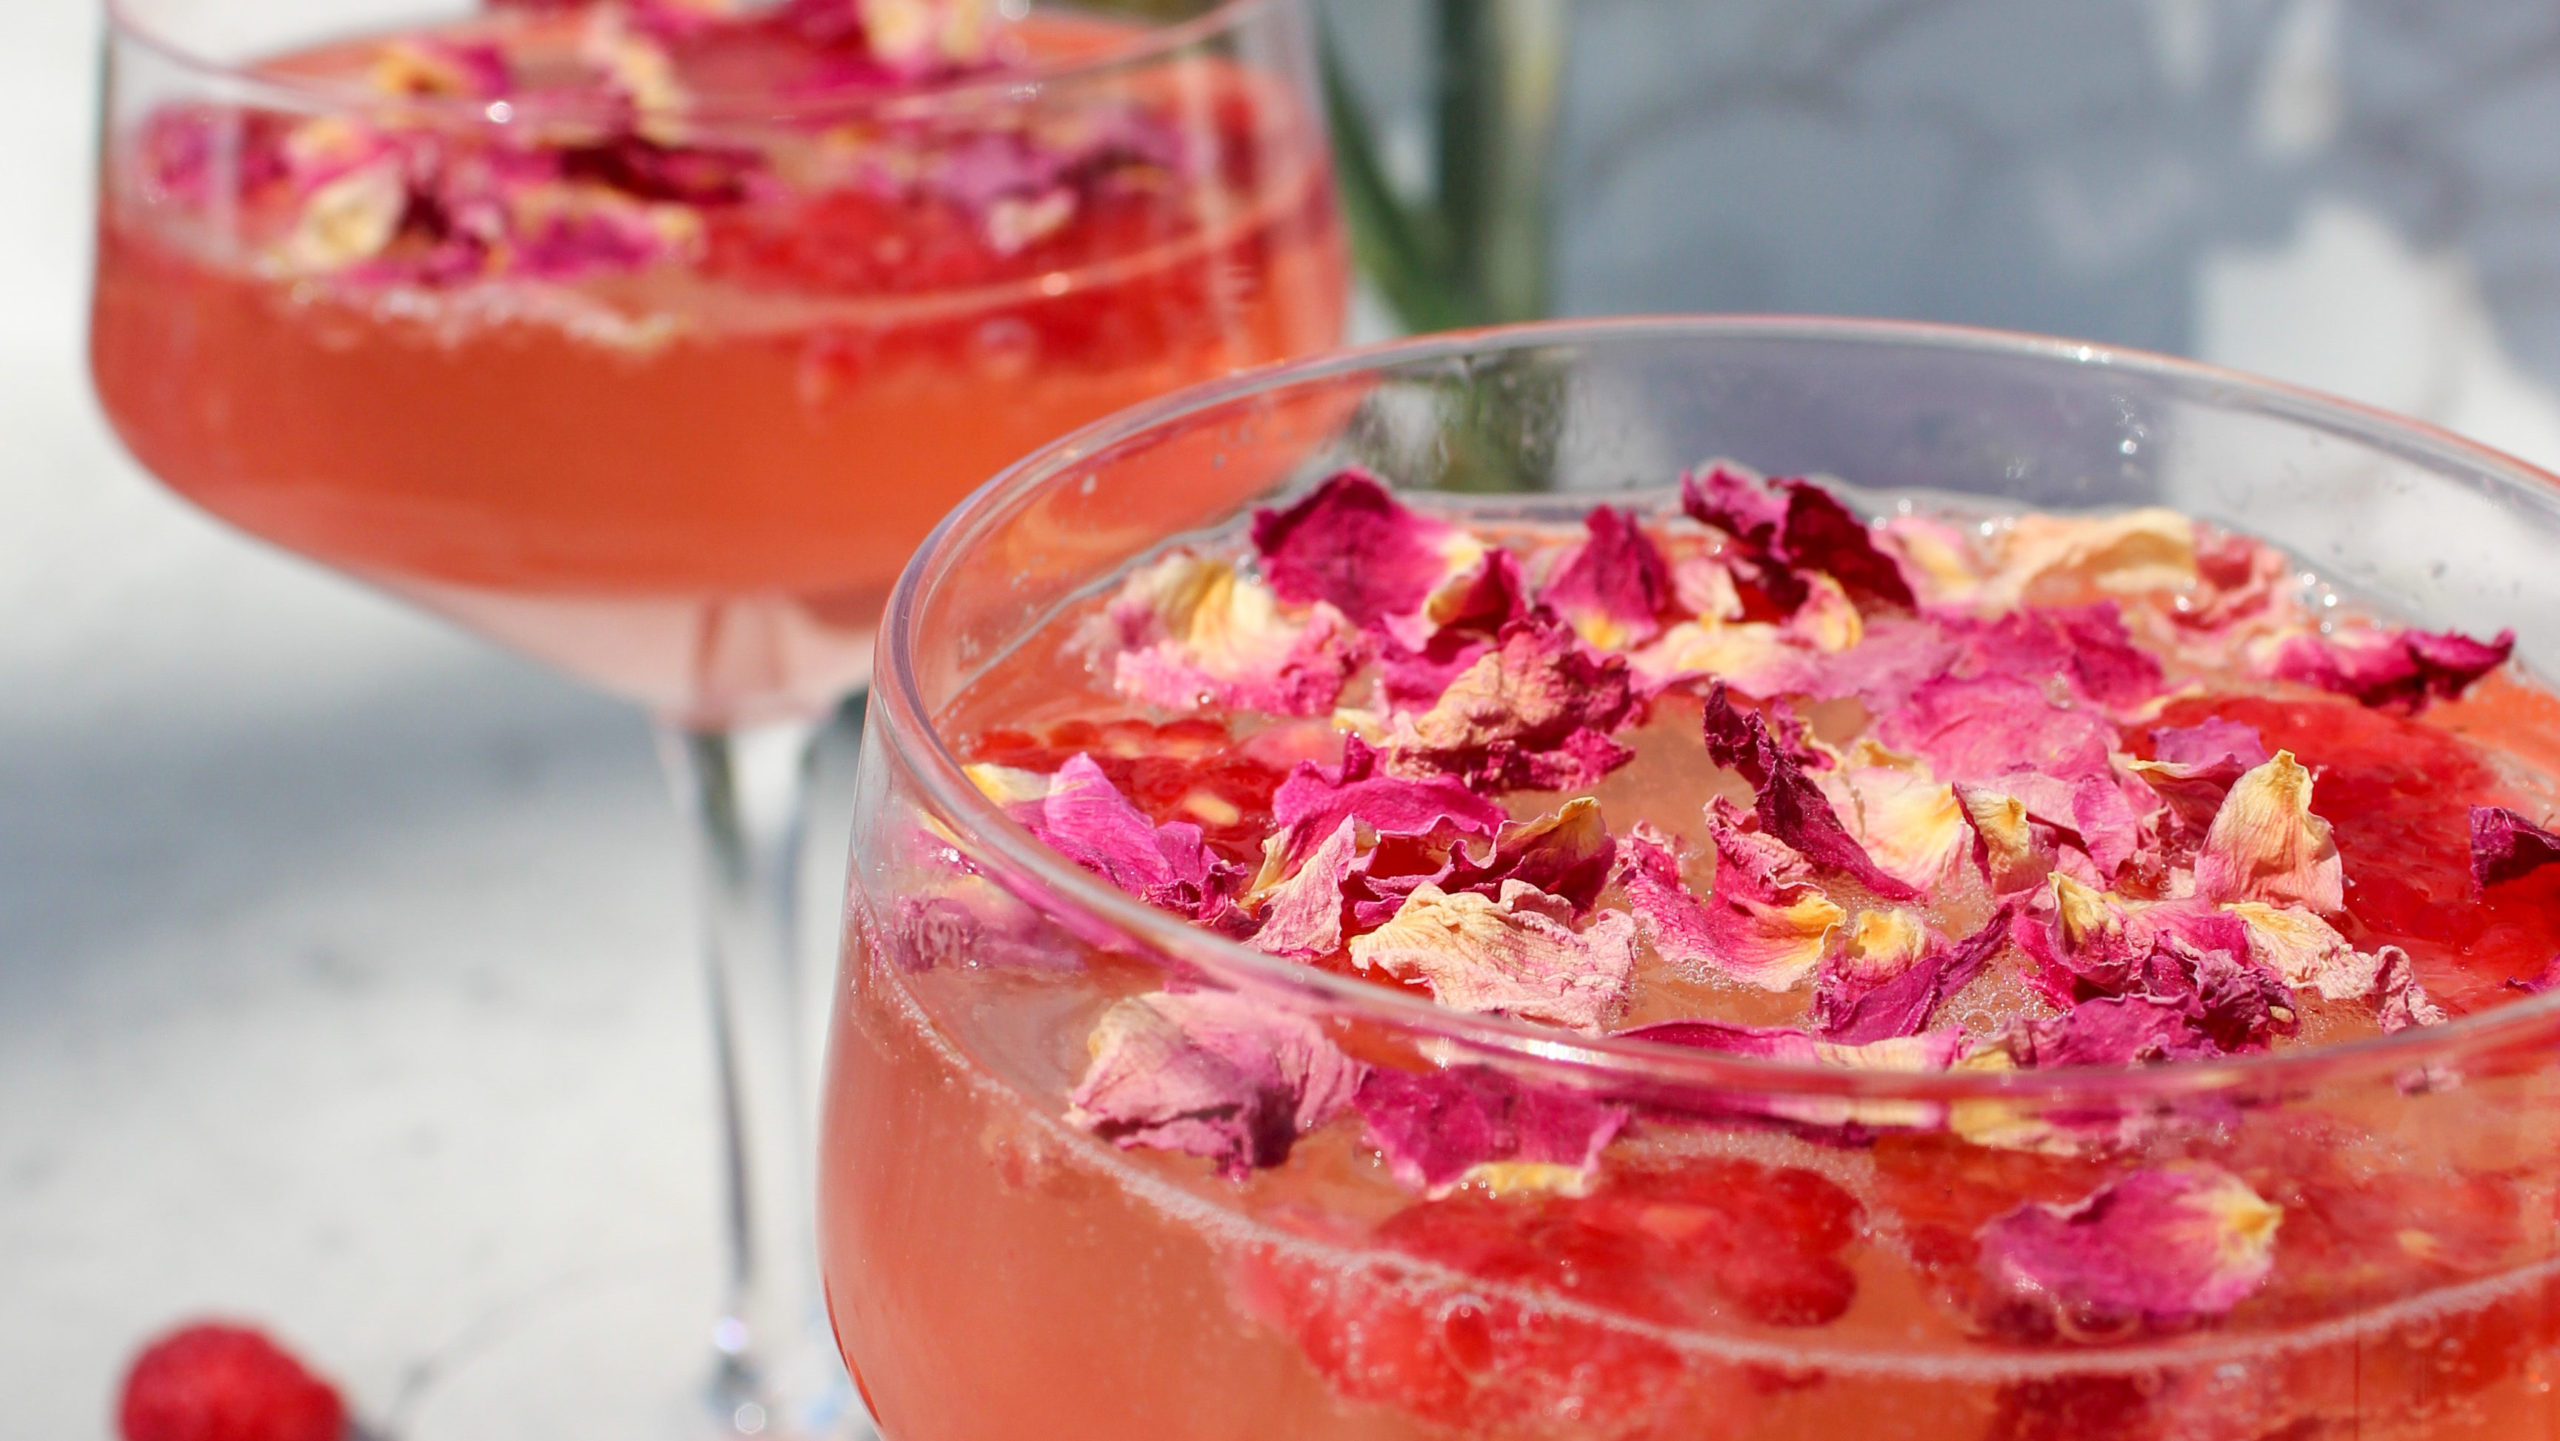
1757 782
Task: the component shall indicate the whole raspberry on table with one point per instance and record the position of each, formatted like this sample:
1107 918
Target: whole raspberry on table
213 1381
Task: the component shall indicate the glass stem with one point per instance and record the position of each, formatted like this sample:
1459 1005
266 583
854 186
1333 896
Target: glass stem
746 792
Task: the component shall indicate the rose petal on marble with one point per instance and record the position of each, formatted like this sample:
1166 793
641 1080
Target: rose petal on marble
2390 669
1932 1051
1211 1074
2404 1002
2505 846
1567 852
2056 560
2307 951
1868 1001
1351 545
1987 726
1517 954
1302 916
1791 807
2266 845
1440 1130
1194 633
2159 1249
1534 712
1313 802
1614 587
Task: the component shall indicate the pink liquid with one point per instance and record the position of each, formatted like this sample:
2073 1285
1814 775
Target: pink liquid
694 486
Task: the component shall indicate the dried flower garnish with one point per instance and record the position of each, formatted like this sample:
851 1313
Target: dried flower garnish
1193 633
1439 1130
1910 824
1302 916
1087 820
2505 846
2392 669
2160 1249
1211 1074
1350 545
1791 807
1990 726
1893 975
1517 954
1534 712
1311 803
1932 1051
2307 951
1614 587
2193 769
1792 526
2266 845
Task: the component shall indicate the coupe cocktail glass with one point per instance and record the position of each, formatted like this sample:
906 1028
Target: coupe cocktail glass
1010 1271
649 339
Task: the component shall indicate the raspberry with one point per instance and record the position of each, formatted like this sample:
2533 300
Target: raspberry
209 1381
1686 1247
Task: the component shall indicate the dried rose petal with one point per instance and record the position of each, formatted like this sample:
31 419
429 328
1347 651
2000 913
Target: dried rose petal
1989 726
2013 850
1351 545
1517 955
2159 1249
1312 804
1799 525
1567 853
2056 560
1087 820
1212 1074
1193 633
433 65
1302 916
2505 846
2209 742
1615 586
1910 824
1534 713
2084 646
1932 1051
1442 1129
2111 1031
2404 1002
1860 1007
1792 808
2266 845
2307 951
2393 669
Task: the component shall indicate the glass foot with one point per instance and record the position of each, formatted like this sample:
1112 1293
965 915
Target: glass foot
628 1358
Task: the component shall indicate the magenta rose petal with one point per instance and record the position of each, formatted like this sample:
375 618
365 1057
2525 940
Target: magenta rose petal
2160 1249
1791 807
1440 1129
1856 1012
1210 1074
2505 846
1351 545
2390 669
1311 804
1614 587
1534 713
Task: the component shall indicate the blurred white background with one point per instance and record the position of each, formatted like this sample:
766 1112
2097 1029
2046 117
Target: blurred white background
346 977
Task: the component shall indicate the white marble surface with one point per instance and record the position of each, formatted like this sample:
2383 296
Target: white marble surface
345 964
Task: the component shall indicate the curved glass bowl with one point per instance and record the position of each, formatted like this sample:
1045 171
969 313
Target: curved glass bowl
992 1268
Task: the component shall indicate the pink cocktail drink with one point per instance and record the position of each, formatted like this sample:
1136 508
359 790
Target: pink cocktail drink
1718 967
652 346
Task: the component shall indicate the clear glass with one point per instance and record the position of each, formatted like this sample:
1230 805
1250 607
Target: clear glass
682 453
1140 1294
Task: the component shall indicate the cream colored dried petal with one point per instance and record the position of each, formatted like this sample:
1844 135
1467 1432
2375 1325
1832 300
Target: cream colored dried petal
2051 559
2266 845
1516 955
2307 951
350 219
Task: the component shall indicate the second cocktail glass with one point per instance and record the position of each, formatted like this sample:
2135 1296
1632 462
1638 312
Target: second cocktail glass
649 338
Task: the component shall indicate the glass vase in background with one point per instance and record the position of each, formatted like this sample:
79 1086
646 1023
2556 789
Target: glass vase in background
1142 1292
648 340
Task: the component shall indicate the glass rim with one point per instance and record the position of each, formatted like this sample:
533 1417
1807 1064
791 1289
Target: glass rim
1150 44
899 713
